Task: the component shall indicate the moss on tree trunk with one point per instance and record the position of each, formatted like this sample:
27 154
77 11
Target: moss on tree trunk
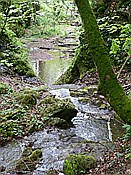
81 64
108 83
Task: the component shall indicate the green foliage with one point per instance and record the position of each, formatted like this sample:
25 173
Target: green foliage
10 129
127 135
120 47
117 38
48 20
15 16
14 56
5 88
19 15
17 122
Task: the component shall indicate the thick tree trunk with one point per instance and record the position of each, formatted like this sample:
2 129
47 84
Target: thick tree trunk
108 85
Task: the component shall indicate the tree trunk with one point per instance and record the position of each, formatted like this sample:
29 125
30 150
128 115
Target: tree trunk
108 83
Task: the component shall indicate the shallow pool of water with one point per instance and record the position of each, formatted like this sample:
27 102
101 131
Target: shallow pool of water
49 70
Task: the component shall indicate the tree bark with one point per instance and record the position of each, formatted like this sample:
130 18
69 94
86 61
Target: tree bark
108 83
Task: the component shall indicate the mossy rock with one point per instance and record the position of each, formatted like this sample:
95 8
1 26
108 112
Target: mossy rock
84 99
36 154
103 106
27 151
27 98
28 163
58 122
77 164
78 93
53 107
90 89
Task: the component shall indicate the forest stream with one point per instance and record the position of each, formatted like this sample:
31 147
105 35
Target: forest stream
93 130
92 133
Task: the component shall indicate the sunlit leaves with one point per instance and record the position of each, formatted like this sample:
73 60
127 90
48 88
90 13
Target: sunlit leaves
115 46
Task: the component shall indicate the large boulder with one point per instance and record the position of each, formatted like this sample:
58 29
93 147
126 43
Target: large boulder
53 107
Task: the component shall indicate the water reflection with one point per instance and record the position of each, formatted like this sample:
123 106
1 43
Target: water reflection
50 70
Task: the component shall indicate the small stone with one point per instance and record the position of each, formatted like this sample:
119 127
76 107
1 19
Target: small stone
101 96
2 168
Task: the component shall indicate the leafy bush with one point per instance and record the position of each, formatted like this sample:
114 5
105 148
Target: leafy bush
14 56
13 20
19 15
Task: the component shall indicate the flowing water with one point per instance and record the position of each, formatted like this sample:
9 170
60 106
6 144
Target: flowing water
90 124
56 144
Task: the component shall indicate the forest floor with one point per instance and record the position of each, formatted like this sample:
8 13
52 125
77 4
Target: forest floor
116 162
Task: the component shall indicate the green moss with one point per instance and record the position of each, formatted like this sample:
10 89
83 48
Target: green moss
77 164
81 63
57 122
27 97
27 151
84 99
30 73
109 85
70 75
90 89
53 107
31 91
79 93
28 163
36 154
